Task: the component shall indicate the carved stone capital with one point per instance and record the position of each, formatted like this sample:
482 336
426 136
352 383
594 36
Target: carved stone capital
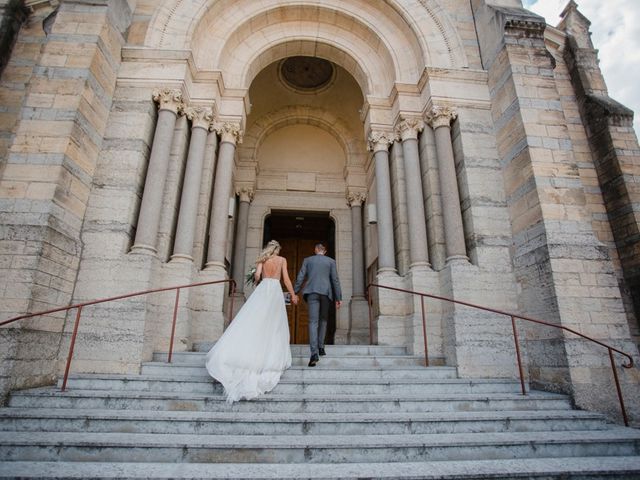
380 140
229 132
245 193
409 128
168 99
356 198
201 117
441 117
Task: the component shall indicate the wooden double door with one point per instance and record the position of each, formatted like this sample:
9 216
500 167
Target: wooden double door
295 250
298 233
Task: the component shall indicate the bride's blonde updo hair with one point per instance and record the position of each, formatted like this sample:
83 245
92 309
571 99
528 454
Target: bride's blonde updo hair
272 249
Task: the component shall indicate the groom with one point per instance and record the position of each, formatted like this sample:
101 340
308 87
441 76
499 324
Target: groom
322 287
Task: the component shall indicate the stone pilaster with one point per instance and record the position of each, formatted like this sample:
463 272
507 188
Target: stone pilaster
245 196
358 309
169 105
389 324
230 135
440 119
408 130
379 142
201 119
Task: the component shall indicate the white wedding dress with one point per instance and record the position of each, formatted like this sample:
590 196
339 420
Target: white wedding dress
251 355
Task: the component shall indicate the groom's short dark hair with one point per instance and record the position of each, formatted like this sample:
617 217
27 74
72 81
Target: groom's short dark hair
320 246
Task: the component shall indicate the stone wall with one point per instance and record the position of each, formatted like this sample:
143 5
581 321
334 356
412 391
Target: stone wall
565 274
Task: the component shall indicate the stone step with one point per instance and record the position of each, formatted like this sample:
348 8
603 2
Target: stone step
338 350
53 398
328 361
234 423
354 386
133 447
321 370
567 468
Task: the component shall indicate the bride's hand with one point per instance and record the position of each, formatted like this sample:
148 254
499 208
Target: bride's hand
294 299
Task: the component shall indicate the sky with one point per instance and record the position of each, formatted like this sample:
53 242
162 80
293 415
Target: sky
615 32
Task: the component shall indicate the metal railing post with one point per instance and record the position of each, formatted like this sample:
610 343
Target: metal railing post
72 345
517 342
424 333
173 325
618 389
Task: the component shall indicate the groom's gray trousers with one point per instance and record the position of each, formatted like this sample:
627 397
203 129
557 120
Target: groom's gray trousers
318 316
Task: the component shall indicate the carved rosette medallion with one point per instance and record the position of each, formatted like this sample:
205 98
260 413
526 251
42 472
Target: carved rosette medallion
441 117
355 198
168 99
229 132
380 140
409 128
201 117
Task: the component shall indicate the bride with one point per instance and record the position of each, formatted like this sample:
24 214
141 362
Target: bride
251 355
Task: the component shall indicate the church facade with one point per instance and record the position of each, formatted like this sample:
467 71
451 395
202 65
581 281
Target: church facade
463 149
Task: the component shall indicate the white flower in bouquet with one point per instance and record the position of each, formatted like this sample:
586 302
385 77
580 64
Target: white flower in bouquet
250 278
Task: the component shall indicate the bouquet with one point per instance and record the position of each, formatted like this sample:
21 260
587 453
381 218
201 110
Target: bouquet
250 279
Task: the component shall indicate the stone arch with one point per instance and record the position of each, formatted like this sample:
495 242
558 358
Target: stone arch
409 35
351 142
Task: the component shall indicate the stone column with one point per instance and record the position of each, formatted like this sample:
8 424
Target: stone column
379 142
170 104
358 307
230 135
356 200
440 119
185 231
240 244
408 130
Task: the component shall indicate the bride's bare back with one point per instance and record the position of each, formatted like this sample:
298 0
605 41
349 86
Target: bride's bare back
276 267
272 267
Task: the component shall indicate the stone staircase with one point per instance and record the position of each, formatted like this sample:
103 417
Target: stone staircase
363 412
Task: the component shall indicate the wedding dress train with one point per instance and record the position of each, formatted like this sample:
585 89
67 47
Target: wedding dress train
251 355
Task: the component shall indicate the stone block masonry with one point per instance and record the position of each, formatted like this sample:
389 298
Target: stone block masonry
562 268
55 138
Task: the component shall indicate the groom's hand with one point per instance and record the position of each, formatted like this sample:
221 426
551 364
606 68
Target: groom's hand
338 303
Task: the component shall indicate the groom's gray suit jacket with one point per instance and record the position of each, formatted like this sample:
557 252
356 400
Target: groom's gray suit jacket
322 277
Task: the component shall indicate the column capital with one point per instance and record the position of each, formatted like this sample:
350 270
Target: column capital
229 132
441 116
168 99
409 127
356 198
245 193
380 140
201 117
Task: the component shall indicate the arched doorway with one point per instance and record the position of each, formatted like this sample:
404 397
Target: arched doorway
298 232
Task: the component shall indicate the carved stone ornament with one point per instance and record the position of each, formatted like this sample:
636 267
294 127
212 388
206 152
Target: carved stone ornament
441 116
168 99
229 132
201 117
245 193
380 140
409 127
356 199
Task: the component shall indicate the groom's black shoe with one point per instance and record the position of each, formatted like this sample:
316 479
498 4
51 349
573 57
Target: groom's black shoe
322 353
314 359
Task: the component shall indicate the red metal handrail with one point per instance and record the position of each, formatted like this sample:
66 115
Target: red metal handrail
80 306
513 316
